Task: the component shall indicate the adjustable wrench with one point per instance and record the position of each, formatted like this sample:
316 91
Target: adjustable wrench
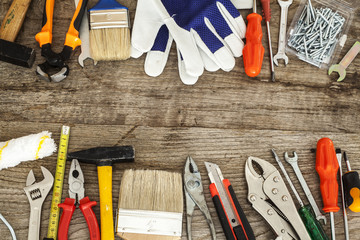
85 39
294 164
36 193
282 33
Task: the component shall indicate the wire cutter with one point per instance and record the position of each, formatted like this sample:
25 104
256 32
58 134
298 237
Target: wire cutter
54 68
194 194
76 193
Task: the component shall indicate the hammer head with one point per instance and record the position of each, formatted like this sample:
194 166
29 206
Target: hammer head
104 156
16 54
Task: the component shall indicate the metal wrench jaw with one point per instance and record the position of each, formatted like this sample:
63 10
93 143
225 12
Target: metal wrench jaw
339 69
83 57
322 217
281 56
290 160
38 191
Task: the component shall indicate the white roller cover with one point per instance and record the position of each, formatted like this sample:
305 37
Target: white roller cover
26 148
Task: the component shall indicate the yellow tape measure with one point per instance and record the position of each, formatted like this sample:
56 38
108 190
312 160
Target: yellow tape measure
58 183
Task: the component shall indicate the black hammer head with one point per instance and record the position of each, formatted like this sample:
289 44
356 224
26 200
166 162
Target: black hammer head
104 156
16 54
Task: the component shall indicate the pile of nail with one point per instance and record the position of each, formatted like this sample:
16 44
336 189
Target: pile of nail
315 34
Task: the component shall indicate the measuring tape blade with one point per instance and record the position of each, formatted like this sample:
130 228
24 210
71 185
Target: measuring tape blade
58 183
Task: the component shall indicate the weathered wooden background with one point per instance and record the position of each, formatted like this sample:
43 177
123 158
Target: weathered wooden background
224 118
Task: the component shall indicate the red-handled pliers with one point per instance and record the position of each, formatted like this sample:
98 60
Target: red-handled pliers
77 193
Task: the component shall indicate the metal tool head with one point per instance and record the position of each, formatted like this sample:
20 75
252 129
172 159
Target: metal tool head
339 69
285 3
281 56
104 156
290 160
76 182
38 190
83 56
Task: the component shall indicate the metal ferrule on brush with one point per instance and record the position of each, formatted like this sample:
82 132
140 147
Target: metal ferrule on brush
118 18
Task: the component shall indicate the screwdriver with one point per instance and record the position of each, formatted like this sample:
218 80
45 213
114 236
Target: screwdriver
312 225
265 4
327 168
351 183
253 52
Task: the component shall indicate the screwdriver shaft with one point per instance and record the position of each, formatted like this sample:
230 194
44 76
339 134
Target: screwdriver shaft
332 224
346 226
270 52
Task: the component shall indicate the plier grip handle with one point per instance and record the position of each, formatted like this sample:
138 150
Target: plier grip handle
85 206
44 38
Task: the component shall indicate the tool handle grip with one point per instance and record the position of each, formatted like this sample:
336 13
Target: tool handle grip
327 167
253 51
313 226
68 207
351 185
72 36
86 209
14 19
45 35
106 209
265 4
244 231
34 223
224 220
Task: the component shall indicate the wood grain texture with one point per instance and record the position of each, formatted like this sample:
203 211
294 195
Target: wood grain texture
224 118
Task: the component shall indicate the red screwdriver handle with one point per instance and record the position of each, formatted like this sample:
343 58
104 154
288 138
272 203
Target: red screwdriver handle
327 167
265 4
253 52
86 209
68 207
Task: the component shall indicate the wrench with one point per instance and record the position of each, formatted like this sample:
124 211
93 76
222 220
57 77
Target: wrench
345 62
36 193
294 164
282 33
85 39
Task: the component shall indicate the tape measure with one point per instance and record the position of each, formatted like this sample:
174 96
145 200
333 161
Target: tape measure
58 183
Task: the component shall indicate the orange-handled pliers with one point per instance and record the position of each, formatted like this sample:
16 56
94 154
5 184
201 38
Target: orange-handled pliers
54 68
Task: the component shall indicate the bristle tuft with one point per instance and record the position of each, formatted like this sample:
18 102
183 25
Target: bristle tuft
110 44
151 190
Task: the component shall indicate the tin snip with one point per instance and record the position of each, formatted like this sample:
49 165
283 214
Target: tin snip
77 197
270 197
194 194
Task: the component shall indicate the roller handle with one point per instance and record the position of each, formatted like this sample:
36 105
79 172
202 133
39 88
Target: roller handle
313 226
327 167
253 51
106 209
14 19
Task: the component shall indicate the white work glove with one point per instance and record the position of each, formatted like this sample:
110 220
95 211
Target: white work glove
207 32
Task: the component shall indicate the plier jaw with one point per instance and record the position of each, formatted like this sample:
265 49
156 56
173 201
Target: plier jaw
76 182
194 196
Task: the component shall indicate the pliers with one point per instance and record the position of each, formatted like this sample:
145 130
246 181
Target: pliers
194 194
76 194
54 68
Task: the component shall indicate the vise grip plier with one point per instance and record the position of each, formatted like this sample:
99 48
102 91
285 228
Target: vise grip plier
55 68
194 194
77 197
270 197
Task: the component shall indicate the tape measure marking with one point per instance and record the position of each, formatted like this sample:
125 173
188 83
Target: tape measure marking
58 183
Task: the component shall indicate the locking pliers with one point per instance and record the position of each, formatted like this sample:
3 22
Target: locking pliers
270 197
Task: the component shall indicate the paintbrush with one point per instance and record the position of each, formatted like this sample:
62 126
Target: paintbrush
150 205
109 31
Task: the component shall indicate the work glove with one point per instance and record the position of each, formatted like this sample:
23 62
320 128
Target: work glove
207 32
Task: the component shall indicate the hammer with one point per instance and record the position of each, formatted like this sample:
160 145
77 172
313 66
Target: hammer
103 158
9 51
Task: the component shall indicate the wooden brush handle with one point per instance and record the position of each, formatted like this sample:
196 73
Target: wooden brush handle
14 19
